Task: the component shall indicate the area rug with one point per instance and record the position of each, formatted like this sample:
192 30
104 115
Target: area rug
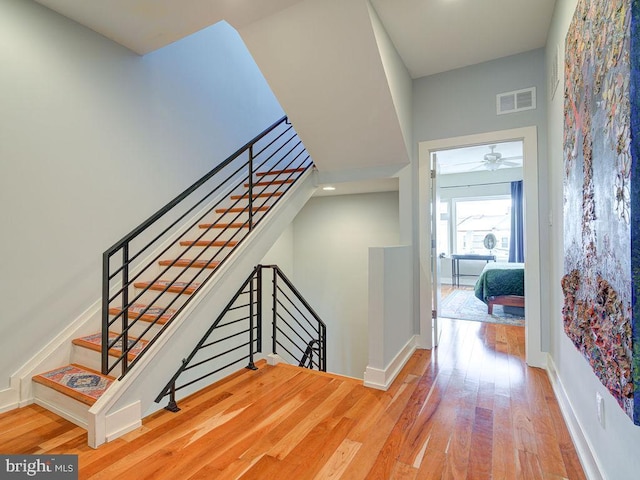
463 305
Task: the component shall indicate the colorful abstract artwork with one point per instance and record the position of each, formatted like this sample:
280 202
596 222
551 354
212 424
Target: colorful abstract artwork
601 232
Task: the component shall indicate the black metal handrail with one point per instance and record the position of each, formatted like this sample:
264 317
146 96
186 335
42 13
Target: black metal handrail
206 222
236 334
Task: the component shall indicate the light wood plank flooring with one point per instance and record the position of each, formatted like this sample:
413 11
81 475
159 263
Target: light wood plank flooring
470 409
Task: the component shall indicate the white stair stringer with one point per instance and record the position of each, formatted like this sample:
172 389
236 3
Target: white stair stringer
121 408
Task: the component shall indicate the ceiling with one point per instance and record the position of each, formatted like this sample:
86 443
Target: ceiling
431 36
472 159
434 36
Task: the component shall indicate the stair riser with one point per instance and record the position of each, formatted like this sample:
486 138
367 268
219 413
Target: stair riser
73 410
231 234
92 358
136 329
205 253
86 357
239 218
185 274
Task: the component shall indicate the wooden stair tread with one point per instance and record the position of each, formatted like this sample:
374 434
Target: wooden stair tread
224 225
187 262
163 315
94 342
263 208
185 288
272 182
78 382
280 172
208 243
256 195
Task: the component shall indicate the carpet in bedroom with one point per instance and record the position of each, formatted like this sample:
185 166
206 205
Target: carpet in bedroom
463 304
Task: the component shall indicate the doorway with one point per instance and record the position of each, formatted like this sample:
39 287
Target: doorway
528 137
478 233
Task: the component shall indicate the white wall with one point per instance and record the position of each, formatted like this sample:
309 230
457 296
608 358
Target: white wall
616 445
94 139
332 236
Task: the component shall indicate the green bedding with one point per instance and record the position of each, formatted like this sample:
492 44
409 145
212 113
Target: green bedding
500 279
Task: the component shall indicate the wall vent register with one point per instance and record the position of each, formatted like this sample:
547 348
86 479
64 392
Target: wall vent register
516 101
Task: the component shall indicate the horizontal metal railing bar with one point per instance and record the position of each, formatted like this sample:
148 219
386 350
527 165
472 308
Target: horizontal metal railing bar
311 335
304 340
228 324
228 337
284 132
260 152
207 360
291 302
286 350
156 216
290 340
205 376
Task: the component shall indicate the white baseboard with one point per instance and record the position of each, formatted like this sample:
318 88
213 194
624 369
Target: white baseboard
583 448
9 399
382 379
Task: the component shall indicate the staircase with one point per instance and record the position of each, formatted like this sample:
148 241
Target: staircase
156 279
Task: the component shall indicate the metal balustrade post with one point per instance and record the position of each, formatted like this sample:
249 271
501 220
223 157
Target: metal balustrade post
252 365
275 315
251 188
172 406
105 313
125 309
259 307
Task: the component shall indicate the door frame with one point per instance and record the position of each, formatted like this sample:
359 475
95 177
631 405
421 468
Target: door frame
529 137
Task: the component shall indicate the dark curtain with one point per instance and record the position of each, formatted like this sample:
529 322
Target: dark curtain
516 245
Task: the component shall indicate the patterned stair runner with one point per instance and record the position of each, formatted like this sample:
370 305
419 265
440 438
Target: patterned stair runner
163 315
76 381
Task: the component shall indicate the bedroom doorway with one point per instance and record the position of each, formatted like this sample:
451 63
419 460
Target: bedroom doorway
429 253
477 198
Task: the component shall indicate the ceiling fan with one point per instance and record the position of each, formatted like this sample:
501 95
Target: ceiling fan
493 160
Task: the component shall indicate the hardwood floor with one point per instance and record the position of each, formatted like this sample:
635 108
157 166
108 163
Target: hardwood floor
470 409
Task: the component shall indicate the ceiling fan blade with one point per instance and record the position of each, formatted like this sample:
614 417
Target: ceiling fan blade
479 167
512 164
474 162
515 157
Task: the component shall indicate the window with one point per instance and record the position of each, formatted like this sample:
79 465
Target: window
475 218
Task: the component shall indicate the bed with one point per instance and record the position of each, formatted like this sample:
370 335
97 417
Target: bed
501 284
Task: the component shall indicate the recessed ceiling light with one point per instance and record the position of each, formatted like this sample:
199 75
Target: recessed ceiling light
328 188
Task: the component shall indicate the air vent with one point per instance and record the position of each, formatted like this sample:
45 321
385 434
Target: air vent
516 101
